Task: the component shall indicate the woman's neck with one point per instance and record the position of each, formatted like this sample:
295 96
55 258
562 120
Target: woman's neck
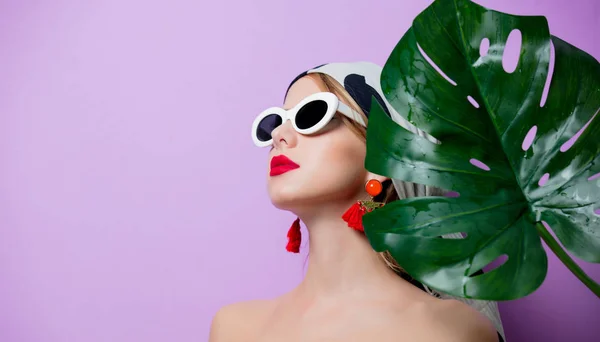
343 262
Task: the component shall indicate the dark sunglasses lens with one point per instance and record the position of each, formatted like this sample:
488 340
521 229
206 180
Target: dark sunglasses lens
267 125
311 114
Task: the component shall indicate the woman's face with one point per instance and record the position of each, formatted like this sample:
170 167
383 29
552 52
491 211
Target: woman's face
331 162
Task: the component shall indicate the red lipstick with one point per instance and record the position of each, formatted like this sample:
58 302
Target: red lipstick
282 164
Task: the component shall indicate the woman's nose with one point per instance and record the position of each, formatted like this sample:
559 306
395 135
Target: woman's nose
285 135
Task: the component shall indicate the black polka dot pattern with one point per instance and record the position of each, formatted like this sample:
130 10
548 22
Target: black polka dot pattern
356 85
362 93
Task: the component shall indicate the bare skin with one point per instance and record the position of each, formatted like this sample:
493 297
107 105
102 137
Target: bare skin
348 293
361 304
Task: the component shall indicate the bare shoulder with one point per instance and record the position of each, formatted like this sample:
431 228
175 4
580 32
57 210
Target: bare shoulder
236 322
452 320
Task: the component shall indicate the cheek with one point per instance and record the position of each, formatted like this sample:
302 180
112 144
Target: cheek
331 167
339 167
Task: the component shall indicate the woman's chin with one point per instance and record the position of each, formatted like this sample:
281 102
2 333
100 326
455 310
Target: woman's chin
290 201
280 202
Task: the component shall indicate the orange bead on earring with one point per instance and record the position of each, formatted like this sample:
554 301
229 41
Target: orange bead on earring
353 216
373 187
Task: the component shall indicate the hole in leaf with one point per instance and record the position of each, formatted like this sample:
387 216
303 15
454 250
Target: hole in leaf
499 261
567 145
457 235
548 77
473 102
484 47
452 194
435 66
544 179
479 164
512 50
594 177
597 211
529 138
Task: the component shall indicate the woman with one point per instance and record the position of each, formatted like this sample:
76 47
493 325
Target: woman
316 171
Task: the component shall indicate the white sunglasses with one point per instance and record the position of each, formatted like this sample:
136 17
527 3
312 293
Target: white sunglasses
309 116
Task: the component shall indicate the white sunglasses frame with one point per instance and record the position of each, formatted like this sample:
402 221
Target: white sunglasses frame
334 105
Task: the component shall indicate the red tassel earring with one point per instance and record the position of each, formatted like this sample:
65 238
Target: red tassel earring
353 216
294 237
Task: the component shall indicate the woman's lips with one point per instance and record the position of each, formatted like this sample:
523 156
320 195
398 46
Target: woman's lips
282 164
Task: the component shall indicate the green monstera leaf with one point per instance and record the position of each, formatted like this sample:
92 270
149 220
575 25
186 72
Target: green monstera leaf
521 162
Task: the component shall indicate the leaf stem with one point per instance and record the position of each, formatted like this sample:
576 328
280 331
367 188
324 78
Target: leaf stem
567 260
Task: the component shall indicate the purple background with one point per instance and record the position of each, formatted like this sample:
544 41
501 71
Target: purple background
132 201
